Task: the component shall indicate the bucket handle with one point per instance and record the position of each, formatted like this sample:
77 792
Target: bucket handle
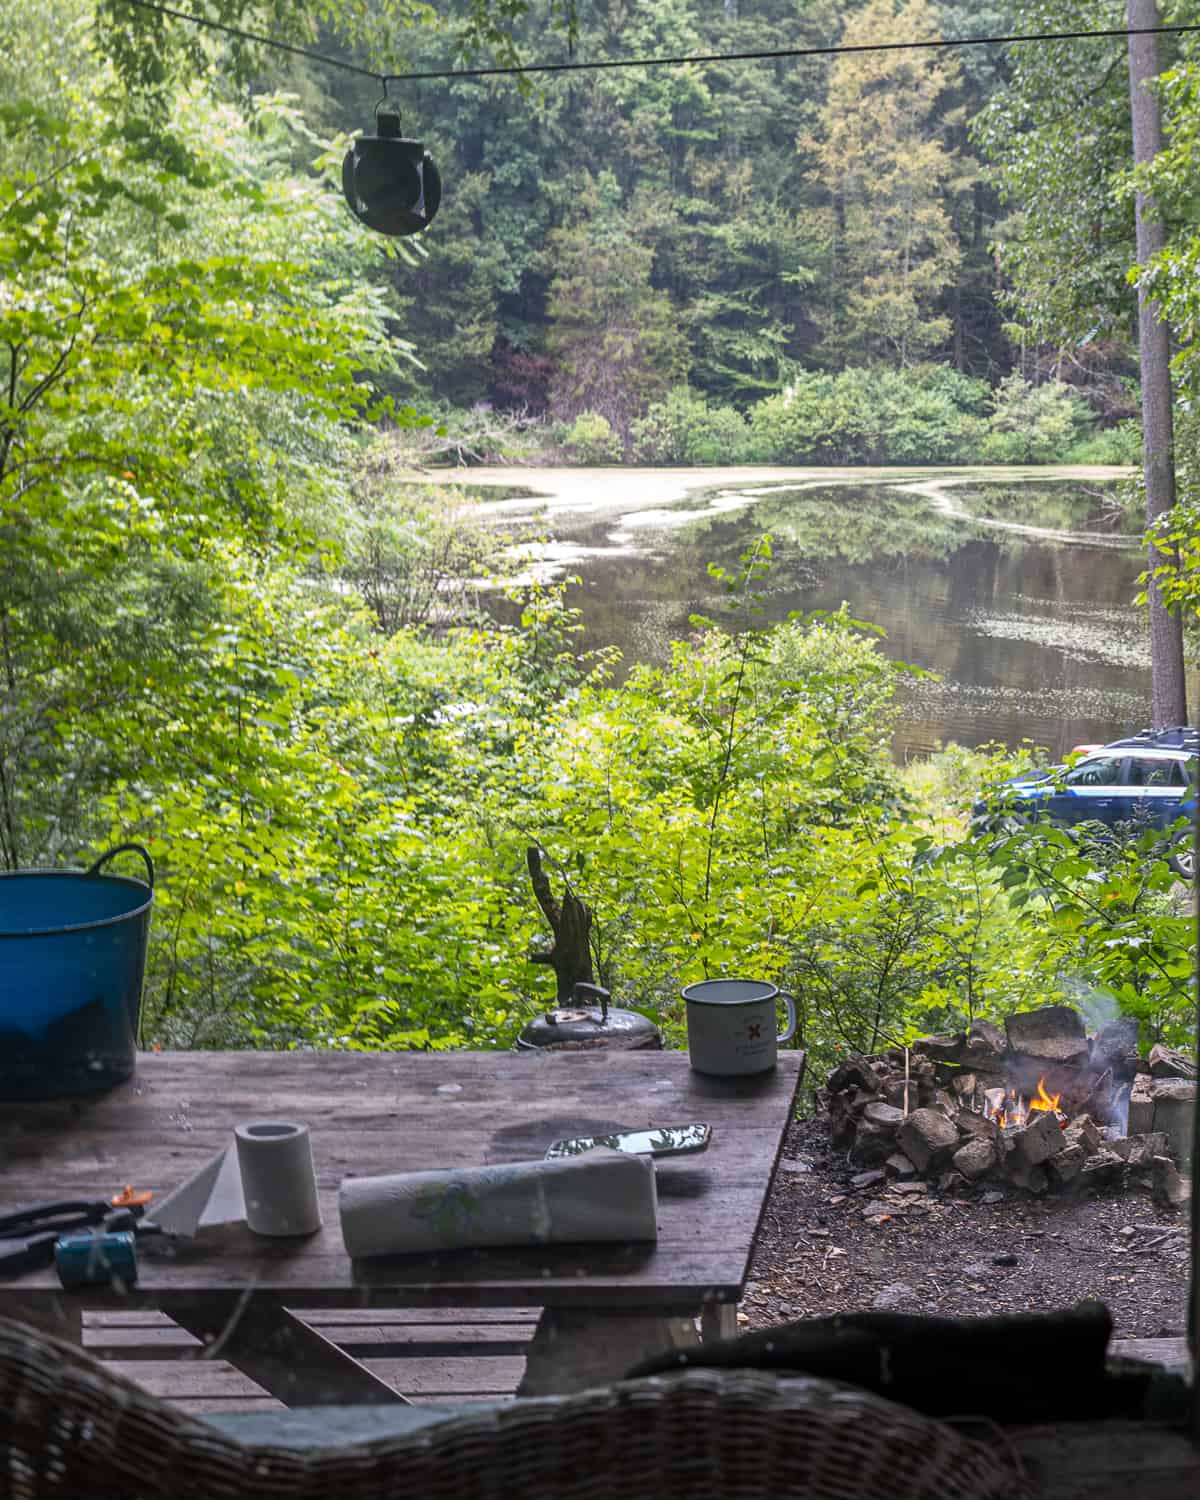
112 853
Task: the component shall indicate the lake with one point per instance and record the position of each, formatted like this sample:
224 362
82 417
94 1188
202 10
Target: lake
1014 585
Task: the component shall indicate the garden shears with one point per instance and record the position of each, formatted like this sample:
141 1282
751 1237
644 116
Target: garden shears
99 1232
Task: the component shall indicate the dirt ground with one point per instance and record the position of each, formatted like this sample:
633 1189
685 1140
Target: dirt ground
986 1249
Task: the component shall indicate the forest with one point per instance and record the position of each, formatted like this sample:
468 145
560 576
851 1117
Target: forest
236 626
778 262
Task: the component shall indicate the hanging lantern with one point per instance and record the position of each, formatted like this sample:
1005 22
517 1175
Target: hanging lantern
390 183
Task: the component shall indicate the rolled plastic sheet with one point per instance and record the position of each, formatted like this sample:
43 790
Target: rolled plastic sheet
603 1196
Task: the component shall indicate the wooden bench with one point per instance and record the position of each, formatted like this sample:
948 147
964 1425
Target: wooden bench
427 1354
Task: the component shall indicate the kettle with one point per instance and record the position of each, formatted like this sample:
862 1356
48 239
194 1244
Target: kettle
580 1028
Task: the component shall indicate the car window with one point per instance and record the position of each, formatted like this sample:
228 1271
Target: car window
1102 771
1147 772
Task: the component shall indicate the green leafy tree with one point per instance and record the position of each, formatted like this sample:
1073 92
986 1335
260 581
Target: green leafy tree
615 338
889 174
449 296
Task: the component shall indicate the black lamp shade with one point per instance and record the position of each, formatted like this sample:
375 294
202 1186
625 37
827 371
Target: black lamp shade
391 183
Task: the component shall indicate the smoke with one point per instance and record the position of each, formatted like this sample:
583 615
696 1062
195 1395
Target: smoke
1096 1007
1119 1109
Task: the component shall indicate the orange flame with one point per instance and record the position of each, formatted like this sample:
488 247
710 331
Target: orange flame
1013 1111
1043 1100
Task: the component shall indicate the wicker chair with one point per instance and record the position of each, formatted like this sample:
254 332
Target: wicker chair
69 1430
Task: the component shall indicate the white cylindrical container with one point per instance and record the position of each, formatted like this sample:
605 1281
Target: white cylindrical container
278 1181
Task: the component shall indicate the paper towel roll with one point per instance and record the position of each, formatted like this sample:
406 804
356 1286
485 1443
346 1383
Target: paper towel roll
278 1181
601 1196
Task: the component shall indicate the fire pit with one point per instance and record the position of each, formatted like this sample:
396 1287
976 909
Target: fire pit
1037 1103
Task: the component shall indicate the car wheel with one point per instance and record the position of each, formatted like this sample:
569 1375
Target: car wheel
1182 858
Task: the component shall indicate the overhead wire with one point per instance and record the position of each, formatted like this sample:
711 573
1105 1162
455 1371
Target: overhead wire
766 54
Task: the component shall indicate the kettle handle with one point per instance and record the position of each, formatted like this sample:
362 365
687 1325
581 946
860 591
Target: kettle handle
595 991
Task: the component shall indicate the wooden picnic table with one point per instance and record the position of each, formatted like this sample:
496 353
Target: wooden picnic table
375 1113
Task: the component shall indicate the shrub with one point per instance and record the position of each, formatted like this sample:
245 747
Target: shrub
927 414
1033 424
685 429
931 415
591 440
1121 444
816 419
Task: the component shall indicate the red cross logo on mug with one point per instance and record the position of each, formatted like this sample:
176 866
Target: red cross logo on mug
754 1031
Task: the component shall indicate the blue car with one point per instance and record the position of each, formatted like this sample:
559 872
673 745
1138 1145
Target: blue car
1148 779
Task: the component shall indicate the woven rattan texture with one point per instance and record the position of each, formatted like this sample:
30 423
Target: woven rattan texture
69 1430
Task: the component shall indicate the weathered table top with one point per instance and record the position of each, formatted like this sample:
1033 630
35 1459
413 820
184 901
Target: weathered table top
390 1112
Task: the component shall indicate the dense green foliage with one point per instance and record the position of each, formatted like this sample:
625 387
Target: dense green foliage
674 250
229 629
926 414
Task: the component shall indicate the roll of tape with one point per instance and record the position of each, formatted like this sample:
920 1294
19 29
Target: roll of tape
278 1181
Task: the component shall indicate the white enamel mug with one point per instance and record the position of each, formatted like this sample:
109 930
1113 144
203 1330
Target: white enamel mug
731 1025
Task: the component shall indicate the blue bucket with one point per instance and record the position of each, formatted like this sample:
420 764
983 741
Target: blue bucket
72 957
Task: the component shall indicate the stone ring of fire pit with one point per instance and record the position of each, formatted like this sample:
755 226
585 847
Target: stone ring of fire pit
1038 1104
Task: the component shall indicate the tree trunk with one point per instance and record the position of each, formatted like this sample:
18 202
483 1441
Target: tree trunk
1168 692
571 923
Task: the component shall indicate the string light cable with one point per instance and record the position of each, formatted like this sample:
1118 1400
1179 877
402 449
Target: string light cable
772 54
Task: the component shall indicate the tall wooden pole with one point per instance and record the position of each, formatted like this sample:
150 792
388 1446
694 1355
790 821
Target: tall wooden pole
1167 689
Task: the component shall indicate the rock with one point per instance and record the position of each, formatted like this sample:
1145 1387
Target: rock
995 1196
1104 1170
1031 1179
894 1295
899 1165
977 1270
1055 1033
893 1092
909 1187
1115 1046
927 1139
1165 1062
854 1073
1066 1166
963 1084
876 1206
1144 1148
925 1096
872 1145
867 1179
1171 1189
1007 1259
884 1115
1119 1145
1042 1138
976 1159
968 1123
986 1045
842 1129
1082 1131
941 1048
1141 1106
794 1164
1175 1113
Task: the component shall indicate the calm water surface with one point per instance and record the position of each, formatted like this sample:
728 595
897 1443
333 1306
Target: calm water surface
1015 586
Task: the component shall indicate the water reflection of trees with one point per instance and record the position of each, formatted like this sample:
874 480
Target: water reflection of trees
1061 505
862 523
